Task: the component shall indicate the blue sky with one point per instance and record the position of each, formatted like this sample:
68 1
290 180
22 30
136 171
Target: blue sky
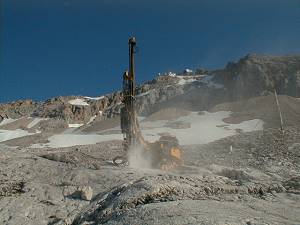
79 47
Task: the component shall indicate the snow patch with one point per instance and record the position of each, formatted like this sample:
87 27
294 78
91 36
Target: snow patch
188 71
6 135
75 125
92 119
143 94
94 98
35 122
204 128
186 80
248 126
68 140
7 121
78 101
205 79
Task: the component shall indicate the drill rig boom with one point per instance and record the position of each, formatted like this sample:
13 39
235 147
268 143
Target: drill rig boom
165 153
129 122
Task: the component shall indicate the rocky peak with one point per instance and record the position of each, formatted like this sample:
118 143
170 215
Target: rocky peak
256 75
253 75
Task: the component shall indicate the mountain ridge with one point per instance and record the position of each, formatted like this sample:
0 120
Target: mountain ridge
251 76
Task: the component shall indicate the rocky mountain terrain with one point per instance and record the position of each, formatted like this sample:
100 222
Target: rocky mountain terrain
239 167
257 75
251 76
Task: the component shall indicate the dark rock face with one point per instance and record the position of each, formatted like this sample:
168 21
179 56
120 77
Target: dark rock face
251 76
259 75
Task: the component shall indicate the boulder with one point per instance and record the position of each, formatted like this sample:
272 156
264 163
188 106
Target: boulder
81 192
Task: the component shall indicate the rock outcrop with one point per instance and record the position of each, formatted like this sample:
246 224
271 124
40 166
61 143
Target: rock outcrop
17 109
257 75
251 76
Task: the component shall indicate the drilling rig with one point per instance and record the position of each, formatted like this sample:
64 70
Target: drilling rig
163 154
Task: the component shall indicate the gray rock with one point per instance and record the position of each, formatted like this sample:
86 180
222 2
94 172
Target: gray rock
86 193
82 192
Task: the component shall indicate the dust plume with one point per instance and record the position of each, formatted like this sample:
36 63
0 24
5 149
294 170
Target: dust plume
138 159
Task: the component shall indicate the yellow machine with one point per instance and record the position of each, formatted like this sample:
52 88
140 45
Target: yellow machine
165 153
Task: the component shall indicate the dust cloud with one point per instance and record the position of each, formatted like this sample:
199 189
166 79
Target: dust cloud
138 159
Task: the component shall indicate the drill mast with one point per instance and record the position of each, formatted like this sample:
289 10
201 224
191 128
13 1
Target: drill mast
129 123
164 153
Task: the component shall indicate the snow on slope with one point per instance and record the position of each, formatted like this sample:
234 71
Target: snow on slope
6 135
92 119
7 121
68 140
204 128
205 79
186 80
75 125
94 98
78 101
35 122
143 94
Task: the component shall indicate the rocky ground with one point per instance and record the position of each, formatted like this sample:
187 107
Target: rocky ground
249 178
239 167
